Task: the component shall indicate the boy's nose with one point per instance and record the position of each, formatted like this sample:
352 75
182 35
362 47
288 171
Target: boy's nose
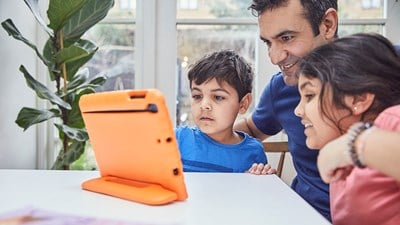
205 105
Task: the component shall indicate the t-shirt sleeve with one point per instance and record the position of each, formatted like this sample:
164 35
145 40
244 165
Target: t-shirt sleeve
389 119
264 116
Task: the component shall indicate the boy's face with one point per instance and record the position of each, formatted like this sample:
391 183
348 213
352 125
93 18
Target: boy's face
215 108
317 127
288 36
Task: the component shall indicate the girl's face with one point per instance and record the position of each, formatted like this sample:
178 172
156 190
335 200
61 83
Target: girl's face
317 127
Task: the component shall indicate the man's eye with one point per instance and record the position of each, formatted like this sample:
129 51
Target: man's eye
268 43
286 38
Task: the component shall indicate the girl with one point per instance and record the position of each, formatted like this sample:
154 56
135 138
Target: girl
344 86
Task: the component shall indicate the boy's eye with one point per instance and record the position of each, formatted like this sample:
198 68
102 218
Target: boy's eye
196 97
219 98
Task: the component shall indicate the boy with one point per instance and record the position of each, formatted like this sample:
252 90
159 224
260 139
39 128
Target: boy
221 85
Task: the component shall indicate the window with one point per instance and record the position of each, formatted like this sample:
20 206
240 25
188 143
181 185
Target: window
187 4
115 36
229 24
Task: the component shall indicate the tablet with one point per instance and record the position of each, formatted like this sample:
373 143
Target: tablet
135 146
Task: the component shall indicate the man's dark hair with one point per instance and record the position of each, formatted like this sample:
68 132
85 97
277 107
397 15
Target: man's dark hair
314 10
224 65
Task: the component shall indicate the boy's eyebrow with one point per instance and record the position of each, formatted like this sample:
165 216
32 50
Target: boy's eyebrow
213 90
220 89
195 89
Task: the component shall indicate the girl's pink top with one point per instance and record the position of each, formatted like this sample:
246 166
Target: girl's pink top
367 196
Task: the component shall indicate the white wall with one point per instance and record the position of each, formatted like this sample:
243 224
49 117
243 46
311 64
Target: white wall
18 148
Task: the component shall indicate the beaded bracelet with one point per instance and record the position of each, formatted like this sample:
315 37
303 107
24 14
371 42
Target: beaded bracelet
354 131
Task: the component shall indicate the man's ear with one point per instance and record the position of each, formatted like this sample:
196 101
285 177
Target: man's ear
360 103
329 24
245 103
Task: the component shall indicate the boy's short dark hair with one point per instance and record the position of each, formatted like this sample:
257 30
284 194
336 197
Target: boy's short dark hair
224 65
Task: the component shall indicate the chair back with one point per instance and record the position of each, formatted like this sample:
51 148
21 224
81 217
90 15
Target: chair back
277 147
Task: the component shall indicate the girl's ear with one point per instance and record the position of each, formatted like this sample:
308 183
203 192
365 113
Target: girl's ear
360 103
245 103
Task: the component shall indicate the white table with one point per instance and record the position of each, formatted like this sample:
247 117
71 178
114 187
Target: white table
214 198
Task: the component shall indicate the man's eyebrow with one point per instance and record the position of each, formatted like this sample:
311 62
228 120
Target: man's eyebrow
280 34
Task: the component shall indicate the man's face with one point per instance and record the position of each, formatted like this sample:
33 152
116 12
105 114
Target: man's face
288 36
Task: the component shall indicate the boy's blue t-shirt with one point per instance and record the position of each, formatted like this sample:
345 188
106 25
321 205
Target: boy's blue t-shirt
200 153
274 112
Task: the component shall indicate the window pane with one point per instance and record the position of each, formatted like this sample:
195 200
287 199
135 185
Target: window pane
351 29
194 41
123 9
212 9
361 9
115 57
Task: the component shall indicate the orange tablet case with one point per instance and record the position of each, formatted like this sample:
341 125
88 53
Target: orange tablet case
135 147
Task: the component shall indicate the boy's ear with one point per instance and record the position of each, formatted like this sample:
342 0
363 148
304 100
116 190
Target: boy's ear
245 103
360 103
329 24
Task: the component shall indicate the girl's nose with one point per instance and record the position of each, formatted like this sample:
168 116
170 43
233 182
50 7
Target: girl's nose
298 111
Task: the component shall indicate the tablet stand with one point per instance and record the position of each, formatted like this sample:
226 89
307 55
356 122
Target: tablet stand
147 193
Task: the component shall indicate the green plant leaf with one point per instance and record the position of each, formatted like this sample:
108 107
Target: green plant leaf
90 14
75 150
73 133
82 81
29 116
77 51
34 7
73 153
42 91
60 11
13 31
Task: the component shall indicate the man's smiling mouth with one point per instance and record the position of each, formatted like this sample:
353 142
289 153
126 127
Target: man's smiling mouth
287 66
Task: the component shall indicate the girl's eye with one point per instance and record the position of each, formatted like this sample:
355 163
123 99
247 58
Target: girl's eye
309 97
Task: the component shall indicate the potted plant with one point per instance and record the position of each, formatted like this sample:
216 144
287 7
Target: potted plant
64 54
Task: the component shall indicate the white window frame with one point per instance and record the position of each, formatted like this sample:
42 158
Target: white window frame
156 53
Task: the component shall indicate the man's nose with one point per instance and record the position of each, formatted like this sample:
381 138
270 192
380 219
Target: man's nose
277 54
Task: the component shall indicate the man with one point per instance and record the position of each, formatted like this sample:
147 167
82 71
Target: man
291 29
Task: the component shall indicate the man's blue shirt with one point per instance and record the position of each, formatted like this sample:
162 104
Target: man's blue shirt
274 112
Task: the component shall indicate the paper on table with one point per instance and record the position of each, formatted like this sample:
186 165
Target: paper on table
35 216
